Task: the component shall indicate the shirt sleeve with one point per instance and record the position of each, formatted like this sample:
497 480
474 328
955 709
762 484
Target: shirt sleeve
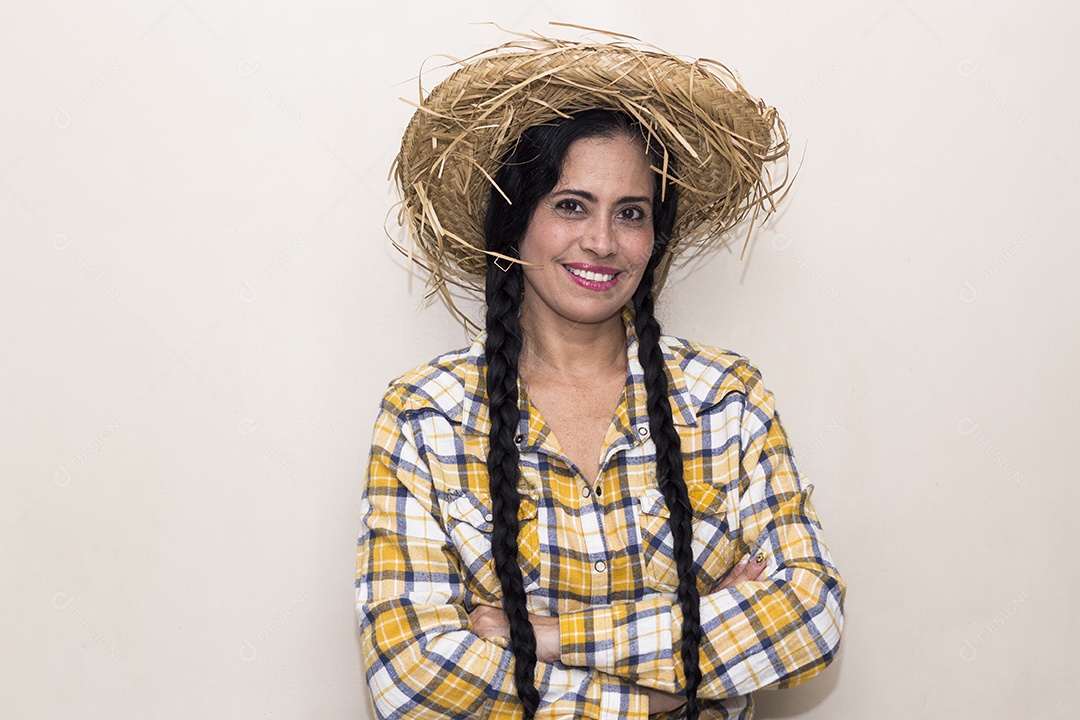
777 632
421 658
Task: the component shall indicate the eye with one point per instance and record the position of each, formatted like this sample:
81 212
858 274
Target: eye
632 213
569 206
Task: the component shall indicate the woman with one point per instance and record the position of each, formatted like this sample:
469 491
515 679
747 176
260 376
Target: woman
578 516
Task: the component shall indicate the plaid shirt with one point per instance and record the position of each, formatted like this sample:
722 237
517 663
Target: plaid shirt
597 554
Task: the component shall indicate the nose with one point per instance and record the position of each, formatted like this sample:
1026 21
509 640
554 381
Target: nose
599 237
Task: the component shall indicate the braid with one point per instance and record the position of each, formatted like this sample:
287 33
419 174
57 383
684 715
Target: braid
669 471
502 347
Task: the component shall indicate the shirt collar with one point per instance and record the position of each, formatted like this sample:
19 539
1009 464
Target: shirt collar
474 409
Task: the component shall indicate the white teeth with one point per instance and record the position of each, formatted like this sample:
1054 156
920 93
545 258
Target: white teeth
590 275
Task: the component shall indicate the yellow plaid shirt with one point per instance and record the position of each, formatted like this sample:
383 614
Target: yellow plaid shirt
597 554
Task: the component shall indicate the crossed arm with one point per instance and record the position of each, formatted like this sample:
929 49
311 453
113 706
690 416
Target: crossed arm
491 622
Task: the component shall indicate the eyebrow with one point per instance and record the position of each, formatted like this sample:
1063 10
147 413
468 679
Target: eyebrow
588 196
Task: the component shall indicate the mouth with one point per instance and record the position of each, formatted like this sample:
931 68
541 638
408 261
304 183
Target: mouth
593 277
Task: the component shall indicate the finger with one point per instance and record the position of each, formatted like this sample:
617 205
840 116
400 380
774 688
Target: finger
747 569
755 570
734 575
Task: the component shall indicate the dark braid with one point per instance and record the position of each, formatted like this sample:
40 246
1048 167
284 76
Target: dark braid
528 172
504 225
669 474
501 348
669 461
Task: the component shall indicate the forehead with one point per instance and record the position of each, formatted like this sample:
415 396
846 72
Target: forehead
620 161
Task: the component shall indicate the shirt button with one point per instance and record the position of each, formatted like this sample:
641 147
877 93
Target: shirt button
585 491
643 431
489 517
600 566
598 490
518 439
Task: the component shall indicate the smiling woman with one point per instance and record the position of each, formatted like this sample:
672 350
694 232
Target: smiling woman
578 516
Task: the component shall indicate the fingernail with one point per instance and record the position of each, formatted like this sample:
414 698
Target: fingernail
745 560
760 557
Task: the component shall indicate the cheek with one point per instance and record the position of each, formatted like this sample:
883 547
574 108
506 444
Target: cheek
539 243
643 249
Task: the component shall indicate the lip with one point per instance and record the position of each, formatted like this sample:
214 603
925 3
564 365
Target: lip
595 285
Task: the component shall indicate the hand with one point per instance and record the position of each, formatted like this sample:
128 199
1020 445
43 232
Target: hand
548 639
491 622
746 570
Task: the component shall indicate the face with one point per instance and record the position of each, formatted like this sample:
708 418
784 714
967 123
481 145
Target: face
590 238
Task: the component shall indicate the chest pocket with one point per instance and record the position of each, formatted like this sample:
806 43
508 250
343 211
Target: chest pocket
469 522
714 553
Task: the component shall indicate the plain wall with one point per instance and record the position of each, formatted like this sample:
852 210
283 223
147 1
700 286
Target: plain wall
201 310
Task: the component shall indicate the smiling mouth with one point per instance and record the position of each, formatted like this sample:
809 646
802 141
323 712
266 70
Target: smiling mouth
590 275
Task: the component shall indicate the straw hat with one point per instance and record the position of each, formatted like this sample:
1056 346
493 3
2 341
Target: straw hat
718 136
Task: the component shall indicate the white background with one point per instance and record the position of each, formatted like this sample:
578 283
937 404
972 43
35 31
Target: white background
201 310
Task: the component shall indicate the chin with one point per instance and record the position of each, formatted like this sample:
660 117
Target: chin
594 315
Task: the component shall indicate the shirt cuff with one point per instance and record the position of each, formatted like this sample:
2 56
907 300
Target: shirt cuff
611 698
630 640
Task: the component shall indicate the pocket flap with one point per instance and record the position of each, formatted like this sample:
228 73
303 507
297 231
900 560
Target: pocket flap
476 510
652 503
705 499
471 509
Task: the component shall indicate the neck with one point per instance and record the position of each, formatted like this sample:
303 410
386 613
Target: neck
572 350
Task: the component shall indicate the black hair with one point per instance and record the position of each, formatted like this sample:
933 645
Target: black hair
529 171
